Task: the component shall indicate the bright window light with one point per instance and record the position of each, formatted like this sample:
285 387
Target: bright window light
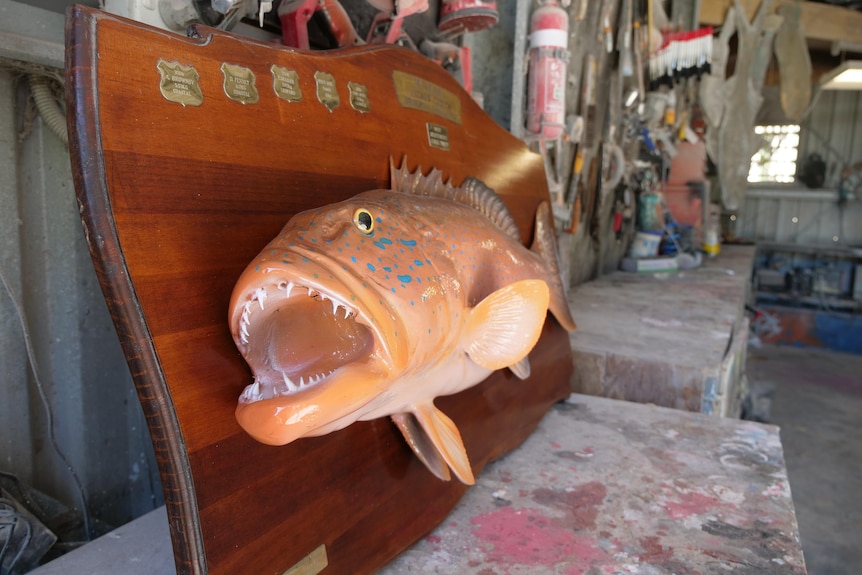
776 161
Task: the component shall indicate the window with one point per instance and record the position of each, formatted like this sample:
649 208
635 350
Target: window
776 160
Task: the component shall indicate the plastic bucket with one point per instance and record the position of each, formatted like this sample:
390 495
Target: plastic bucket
645 245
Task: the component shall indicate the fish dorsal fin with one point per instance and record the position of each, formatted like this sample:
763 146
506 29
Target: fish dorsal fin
505 326
439 440
521 369
472 192
545 244
421 445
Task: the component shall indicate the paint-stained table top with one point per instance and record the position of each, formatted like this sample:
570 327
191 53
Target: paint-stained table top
611 487
602 487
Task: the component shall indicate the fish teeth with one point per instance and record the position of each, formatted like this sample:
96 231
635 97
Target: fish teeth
287 287
260 296
252 393
291 387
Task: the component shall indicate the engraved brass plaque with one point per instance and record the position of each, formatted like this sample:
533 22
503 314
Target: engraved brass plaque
239 84
420 94
438 136
311 564
327 93
359 97
180 84
285 83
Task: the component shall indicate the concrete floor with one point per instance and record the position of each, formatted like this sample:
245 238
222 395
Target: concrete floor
815 397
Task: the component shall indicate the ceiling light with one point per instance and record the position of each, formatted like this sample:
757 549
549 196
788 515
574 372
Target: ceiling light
847 76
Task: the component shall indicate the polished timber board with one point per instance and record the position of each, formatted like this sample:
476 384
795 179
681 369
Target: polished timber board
189 155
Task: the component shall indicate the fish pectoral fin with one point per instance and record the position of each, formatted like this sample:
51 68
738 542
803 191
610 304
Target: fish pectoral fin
445 438
521 369
422 445
505 326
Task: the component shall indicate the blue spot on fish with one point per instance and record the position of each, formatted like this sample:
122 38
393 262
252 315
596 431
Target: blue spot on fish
305 260
405 278
393 290
379 245
371 267
418 263
408 242
387 268
353 259
386 241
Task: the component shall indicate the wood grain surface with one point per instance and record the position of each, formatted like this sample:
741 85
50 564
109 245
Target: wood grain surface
176 200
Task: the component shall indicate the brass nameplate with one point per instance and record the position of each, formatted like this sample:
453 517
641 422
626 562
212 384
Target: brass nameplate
419 94
326 90
359 97
311 564
239 84
180 84
438 136
285 83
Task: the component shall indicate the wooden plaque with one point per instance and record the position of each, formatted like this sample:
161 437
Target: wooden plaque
188 157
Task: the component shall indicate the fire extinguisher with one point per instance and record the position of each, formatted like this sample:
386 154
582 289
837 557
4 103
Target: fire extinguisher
548 63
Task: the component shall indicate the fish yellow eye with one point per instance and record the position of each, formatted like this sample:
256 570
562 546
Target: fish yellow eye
364 221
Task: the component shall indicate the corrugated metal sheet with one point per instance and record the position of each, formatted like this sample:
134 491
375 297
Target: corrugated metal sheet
810 217
833 130
83 390
797 214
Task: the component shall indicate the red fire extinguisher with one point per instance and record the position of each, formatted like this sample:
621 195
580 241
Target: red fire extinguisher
549 59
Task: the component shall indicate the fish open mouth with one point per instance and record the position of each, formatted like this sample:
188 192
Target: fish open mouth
296 338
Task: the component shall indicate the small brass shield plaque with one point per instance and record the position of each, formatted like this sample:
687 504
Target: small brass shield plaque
180 84
420 94
327 93
285 83
438 136
239 84
311 564
359 97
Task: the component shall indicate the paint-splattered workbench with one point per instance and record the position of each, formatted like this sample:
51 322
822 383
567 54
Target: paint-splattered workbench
602 487
674 339
611 487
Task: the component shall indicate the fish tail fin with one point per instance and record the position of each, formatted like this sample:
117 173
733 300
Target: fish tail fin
545 244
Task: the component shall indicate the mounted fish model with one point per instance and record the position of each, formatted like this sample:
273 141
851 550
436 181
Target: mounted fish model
376 305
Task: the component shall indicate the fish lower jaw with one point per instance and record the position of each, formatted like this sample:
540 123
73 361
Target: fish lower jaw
258 391
257 299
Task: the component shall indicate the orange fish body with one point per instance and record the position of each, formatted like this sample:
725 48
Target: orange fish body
376 305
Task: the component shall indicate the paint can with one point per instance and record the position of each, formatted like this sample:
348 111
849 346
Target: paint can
645 245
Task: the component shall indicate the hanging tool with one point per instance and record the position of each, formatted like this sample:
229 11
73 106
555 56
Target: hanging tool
583 155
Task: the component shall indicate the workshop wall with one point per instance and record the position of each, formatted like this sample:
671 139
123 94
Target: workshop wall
833 130
82 403
795 213
500 75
